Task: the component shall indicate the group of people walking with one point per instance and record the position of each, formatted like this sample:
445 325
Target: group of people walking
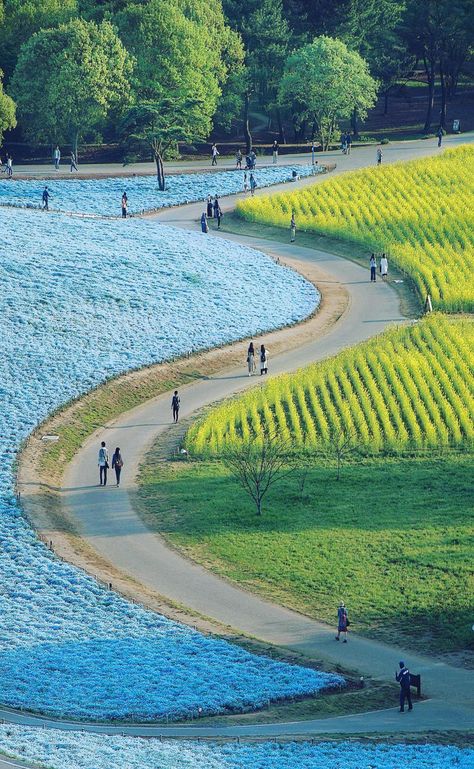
262 357
383 267
7 166
57 159
346 143
103 462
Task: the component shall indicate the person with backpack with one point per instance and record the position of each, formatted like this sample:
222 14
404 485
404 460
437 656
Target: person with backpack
175 404
342 622
117 464
45 199
403 678
263 360
103 463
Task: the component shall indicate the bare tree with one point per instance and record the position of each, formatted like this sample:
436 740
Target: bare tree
259 463
338 444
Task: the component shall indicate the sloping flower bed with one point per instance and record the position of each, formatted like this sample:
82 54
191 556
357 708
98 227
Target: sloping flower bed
81 300
87 751
103 196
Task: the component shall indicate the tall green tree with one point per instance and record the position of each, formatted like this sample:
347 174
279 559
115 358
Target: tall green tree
325 82
22 18
7 111
68 81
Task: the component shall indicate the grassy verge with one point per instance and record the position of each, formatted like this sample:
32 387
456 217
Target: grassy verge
393 538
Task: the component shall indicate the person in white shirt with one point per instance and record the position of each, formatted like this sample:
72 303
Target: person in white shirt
57 158
103 462
214 152
384 266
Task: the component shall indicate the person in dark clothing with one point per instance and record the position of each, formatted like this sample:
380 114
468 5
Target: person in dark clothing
117 464
45 198
124 205
175 404
209 207
373 269
216 206
403 678
204 227
348 143
342 622
275 149
440 136
73 162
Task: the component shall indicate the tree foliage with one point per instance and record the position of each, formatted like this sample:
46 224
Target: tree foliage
68 80
324 82
7 111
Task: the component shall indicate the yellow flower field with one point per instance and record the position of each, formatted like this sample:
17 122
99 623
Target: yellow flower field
421 213
412 387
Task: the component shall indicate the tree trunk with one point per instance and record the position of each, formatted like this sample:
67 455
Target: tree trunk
385 107
247 134
74 143
160 172
281 129
355 129
442 114
259 505
431 73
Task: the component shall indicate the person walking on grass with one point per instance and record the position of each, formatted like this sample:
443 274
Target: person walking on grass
238 160
73 162
253 184
293 227
373 269
275 149
57 157
342 622
124 205
45 199
117 464
175 404
384 266
251 359
440 136
214 153
379 156
403 678
263 360
103 462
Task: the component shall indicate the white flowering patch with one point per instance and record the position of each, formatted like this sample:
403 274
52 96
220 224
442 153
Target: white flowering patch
81 300
87 751
103 196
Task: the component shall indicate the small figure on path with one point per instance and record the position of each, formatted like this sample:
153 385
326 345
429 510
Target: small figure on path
204 227
343 143
275 149
214 152
379 156
313 153
175 403
45 199
384 266
263 360
103 463
440 136
251 359
215 206
218 215
246 184
117 464
293 227
124 205
73 162
238 159
403 678
342 622
9 169
348 143
253 184
253 159
373 269
210 212
57 157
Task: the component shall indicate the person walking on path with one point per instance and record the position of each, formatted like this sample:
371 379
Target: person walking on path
218 215
251 359
238 159
275 149
293 227
9 169
204 227
215 206
253 184
117 464
214 152
263 360
384 266
246 184
379 156
348 143
373 269
124 205
403 678
103 462
440 136
210 211
57 157
73 162
175 404
342 622
45 199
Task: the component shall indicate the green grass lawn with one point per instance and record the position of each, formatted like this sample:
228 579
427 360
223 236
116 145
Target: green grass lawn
393 538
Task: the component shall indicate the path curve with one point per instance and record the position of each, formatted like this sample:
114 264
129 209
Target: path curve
108 522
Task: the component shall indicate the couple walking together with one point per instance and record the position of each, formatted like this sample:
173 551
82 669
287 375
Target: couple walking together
103 462
263 356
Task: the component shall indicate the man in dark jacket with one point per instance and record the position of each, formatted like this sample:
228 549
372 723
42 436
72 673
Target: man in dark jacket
403 678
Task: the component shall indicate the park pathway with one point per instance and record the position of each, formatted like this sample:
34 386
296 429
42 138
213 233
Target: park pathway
108 522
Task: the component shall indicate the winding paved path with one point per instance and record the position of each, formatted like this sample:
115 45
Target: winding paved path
108 522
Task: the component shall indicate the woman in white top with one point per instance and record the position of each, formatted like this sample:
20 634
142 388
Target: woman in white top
384 266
